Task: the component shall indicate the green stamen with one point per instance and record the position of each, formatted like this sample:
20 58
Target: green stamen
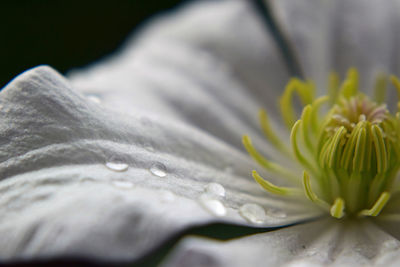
270 134
337 209
270 166
380 88
378 206
310 193
350 154
306 93
277 190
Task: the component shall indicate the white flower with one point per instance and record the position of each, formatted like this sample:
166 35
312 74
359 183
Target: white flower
145 147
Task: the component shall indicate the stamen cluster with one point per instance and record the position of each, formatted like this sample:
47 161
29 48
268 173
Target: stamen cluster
350 155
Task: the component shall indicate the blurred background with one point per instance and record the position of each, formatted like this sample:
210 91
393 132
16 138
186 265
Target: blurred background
67 34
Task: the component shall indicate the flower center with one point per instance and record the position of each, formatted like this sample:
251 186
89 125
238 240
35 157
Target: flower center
350 154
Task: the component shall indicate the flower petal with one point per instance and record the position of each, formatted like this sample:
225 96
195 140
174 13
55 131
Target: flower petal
319 243
79 180
336 35
212 64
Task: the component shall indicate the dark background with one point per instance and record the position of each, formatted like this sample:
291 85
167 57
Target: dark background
67 34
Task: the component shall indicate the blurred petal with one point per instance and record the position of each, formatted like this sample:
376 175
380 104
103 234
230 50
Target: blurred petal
336 35
79 180
211 64
318 243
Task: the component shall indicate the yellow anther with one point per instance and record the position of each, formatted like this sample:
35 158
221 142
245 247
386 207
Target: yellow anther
396 82
359 154
306 93
337 209
274 189
316 105
270 134
305 126
270 166
333 87
377 207
380 149
351 151
349 87
335 147
310 193
380 88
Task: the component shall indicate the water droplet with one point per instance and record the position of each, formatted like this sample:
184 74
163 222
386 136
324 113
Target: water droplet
167 196
117 164
94 98
124 184
158 169
213 205
253 213
391 244
276 213
215 189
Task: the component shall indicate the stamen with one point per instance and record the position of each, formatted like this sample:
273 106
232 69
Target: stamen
306 93
335 147
270 166
352 151
314 112
380 149
337 209
333 87
274 189
378 206
380 88
306 120
350 85
310 193
270 134
359 154
295 147
350 147
396 82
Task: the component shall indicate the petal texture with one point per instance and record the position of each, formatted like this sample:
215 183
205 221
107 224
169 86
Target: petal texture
336 35
211 64
80 180
320 243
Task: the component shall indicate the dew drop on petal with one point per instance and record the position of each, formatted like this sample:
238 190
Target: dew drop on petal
119 167
213 206
253 213
116 164
215 189
276 213
123 184
167 196
158 169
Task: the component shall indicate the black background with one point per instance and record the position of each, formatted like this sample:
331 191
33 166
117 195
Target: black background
67 34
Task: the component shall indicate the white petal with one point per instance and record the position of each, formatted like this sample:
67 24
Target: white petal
320 243
212 64
60 197
336 35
